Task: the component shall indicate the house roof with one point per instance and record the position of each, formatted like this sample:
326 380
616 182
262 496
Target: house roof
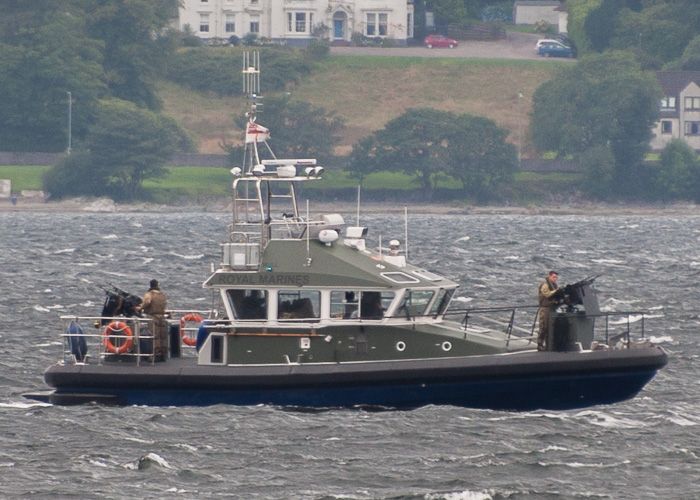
673 82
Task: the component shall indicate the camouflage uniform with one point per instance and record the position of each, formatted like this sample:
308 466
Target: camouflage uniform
154 304
548 303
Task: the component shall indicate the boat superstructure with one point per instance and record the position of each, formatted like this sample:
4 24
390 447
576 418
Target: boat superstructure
307 314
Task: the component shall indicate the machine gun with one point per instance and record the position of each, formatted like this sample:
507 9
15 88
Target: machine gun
119 302
581 293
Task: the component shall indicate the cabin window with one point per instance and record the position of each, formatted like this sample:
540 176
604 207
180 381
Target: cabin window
298 304
428 275
248 304
398 277
360 304
217 349
415 302
441 302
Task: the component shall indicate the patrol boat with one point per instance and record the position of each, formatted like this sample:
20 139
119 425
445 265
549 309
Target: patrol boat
308 315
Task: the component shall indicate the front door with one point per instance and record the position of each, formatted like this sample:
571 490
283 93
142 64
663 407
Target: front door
338 29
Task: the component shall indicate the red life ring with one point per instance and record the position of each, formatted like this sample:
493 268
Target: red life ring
122 329
195 318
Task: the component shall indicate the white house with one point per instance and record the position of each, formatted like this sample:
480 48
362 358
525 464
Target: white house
531 11
679 109
295 22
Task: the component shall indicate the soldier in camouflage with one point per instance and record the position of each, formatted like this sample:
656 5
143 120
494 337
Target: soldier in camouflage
548 295
154 305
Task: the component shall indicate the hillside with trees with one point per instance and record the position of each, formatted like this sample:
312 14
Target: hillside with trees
122 73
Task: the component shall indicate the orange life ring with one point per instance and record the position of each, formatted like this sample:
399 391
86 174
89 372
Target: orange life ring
195 318
119 328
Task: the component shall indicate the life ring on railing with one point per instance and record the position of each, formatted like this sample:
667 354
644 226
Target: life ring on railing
195 318
122 329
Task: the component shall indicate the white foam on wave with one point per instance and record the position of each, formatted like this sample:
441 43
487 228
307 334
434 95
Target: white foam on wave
583 465
462 299
65 250
460 495
553 448
660 339
110 237
146 461
463 238
188 257
609 261
22 405
634 318
41 309
602 419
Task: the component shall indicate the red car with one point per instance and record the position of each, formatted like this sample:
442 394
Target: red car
439 41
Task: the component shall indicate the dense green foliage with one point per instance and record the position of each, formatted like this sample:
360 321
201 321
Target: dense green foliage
679 172
125 146
42 58
604 100
297 129
426 144
90 48
218 70
658 31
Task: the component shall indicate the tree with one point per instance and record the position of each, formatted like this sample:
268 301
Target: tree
130 30
298 129
416 143
43 56
598 165
690 60
426 143
480 157
125 146
679 170
604 99
449 11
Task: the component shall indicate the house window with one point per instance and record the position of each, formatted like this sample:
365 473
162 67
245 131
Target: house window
692 103
666 126
204 23
299 22
377 24
255 24
668 102
230 23
692 128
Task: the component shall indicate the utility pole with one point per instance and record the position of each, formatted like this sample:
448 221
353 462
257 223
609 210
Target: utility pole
520 131
70 121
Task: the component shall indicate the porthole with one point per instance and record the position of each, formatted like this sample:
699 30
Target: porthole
447 346
401 346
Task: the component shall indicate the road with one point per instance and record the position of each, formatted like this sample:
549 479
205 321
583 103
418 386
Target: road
515 46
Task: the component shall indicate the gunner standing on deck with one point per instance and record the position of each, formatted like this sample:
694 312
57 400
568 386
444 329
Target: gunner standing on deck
154 304
549 299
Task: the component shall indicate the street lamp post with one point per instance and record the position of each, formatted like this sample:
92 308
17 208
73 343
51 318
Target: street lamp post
70 121
520 131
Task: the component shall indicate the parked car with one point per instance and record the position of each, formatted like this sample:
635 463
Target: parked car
439 41
555 49
542 41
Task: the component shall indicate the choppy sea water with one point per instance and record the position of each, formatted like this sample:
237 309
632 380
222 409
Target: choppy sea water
649 447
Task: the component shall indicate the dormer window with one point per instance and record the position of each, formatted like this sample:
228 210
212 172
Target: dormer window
668 102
